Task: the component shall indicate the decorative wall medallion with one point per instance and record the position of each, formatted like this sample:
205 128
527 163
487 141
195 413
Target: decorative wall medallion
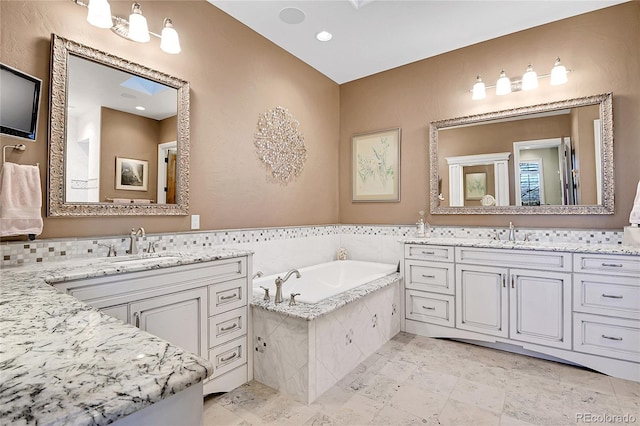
280 145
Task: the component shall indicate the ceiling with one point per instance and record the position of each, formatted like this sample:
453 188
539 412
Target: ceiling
370 36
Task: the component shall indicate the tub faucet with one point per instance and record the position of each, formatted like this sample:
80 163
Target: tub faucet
133 246
280 281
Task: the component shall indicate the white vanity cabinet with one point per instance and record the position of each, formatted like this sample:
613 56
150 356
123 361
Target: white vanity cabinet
606 305
429 284
522 304
580 307
200 307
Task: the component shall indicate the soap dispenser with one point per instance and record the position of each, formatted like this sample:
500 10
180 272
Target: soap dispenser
421 226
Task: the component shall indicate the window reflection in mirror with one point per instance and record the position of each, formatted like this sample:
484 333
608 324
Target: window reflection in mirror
111 115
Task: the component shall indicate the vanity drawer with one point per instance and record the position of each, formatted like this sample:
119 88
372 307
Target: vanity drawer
226 296
227 326
604 295
429 307
429 276
427 252
515 258
607 264
228 356
610 337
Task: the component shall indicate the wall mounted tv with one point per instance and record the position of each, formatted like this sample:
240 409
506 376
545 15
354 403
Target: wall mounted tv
19 103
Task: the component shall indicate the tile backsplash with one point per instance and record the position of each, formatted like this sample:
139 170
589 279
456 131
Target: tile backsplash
278 247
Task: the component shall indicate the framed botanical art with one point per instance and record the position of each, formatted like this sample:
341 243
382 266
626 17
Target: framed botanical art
132 175
475 186
375 166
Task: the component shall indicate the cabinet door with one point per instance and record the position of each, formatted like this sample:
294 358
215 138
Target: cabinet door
180 318
481 299
120 312
540 305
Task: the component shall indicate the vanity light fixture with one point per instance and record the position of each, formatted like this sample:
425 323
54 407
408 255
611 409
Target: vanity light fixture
529 81
134 29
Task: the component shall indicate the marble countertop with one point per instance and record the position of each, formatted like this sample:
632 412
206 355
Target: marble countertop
63 362
311 311
526 245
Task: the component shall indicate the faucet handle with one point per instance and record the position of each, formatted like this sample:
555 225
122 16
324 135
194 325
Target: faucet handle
258 274
292 301
266 294
152 247
112 249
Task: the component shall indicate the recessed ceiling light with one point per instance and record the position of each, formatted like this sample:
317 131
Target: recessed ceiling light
291 15
324 36
140 108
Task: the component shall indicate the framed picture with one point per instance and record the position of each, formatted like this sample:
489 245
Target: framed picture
132 175
375 166
475 186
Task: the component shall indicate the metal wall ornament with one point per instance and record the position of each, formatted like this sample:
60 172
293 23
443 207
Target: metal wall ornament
280 145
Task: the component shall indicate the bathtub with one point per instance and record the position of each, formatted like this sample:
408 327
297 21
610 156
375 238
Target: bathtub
319 282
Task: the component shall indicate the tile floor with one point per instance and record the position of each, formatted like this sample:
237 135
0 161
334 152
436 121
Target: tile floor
414 380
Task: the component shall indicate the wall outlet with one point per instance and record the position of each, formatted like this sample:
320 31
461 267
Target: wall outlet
195 221
260 345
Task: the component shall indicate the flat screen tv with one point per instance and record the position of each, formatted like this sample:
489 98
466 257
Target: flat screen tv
19 103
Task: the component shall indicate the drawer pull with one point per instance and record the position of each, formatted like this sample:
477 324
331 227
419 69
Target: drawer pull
429 308
429 252
618 339
611 296
229 358
231 327
428 276
233 296
612 265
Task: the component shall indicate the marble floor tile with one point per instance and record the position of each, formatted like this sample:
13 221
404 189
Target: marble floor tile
414 380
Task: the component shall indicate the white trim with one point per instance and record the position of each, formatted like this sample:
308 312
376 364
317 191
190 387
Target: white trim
534 144
597 135
163 149
500 161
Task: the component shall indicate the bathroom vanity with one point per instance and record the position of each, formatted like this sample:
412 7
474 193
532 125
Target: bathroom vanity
141 357
572 302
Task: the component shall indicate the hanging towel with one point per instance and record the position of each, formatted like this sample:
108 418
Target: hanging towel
634 217
122 200
20 200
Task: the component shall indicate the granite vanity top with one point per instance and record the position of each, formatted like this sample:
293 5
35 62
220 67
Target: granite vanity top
311 311
63 362
526 245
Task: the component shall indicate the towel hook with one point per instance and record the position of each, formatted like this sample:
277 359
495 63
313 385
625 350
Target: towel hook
17 147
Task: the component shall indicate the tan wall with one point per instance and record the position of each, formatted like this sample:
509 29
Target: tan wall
235 75
584 146
602 49
127 136
168 129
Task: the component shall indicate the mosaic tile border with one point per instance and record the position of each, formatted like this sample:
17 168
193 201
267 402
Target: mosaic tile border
24 252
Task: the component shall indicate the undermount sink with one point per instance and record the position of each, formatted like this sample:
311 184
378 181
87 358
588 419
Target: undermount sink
147 260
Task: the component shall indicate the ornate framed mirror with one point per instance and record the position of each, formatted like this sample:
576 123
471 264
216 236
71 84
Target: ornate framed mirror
553 158
118 136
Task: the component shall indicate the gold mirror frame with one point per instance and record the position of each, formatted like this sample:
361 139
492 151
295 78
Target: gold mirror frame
606 116
61 48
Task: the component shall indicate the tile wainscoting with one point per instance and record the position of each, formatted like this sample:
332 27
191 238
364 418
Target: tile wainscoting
278 249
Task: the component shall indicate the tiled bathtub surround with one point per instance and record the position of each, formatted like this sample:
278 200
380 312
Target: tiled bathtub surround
278 249
304 358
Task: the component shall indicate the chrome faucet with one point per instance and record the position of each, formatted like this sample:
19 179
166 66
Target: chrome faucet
512 232
280 281
133 246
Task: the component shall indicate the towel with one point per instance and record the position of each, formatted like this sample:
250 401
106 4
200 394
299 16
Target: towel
20 200
634 217
141 201
122 200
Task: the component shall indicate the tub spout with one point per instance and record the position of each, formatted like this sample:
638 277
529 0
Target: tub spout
280 281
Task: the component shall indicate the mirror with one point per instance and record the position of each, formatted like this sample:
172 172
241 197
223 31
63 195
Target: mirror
118 138
554 158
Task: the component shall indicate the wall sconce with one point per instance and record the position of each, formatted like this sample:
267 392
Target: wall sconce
135 29
529 81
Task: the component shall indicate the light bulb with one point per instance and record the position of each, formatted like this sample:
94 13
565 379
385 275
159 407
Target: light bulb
170 42
503 86
138 29
529 79
99 14
479 90
558 73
